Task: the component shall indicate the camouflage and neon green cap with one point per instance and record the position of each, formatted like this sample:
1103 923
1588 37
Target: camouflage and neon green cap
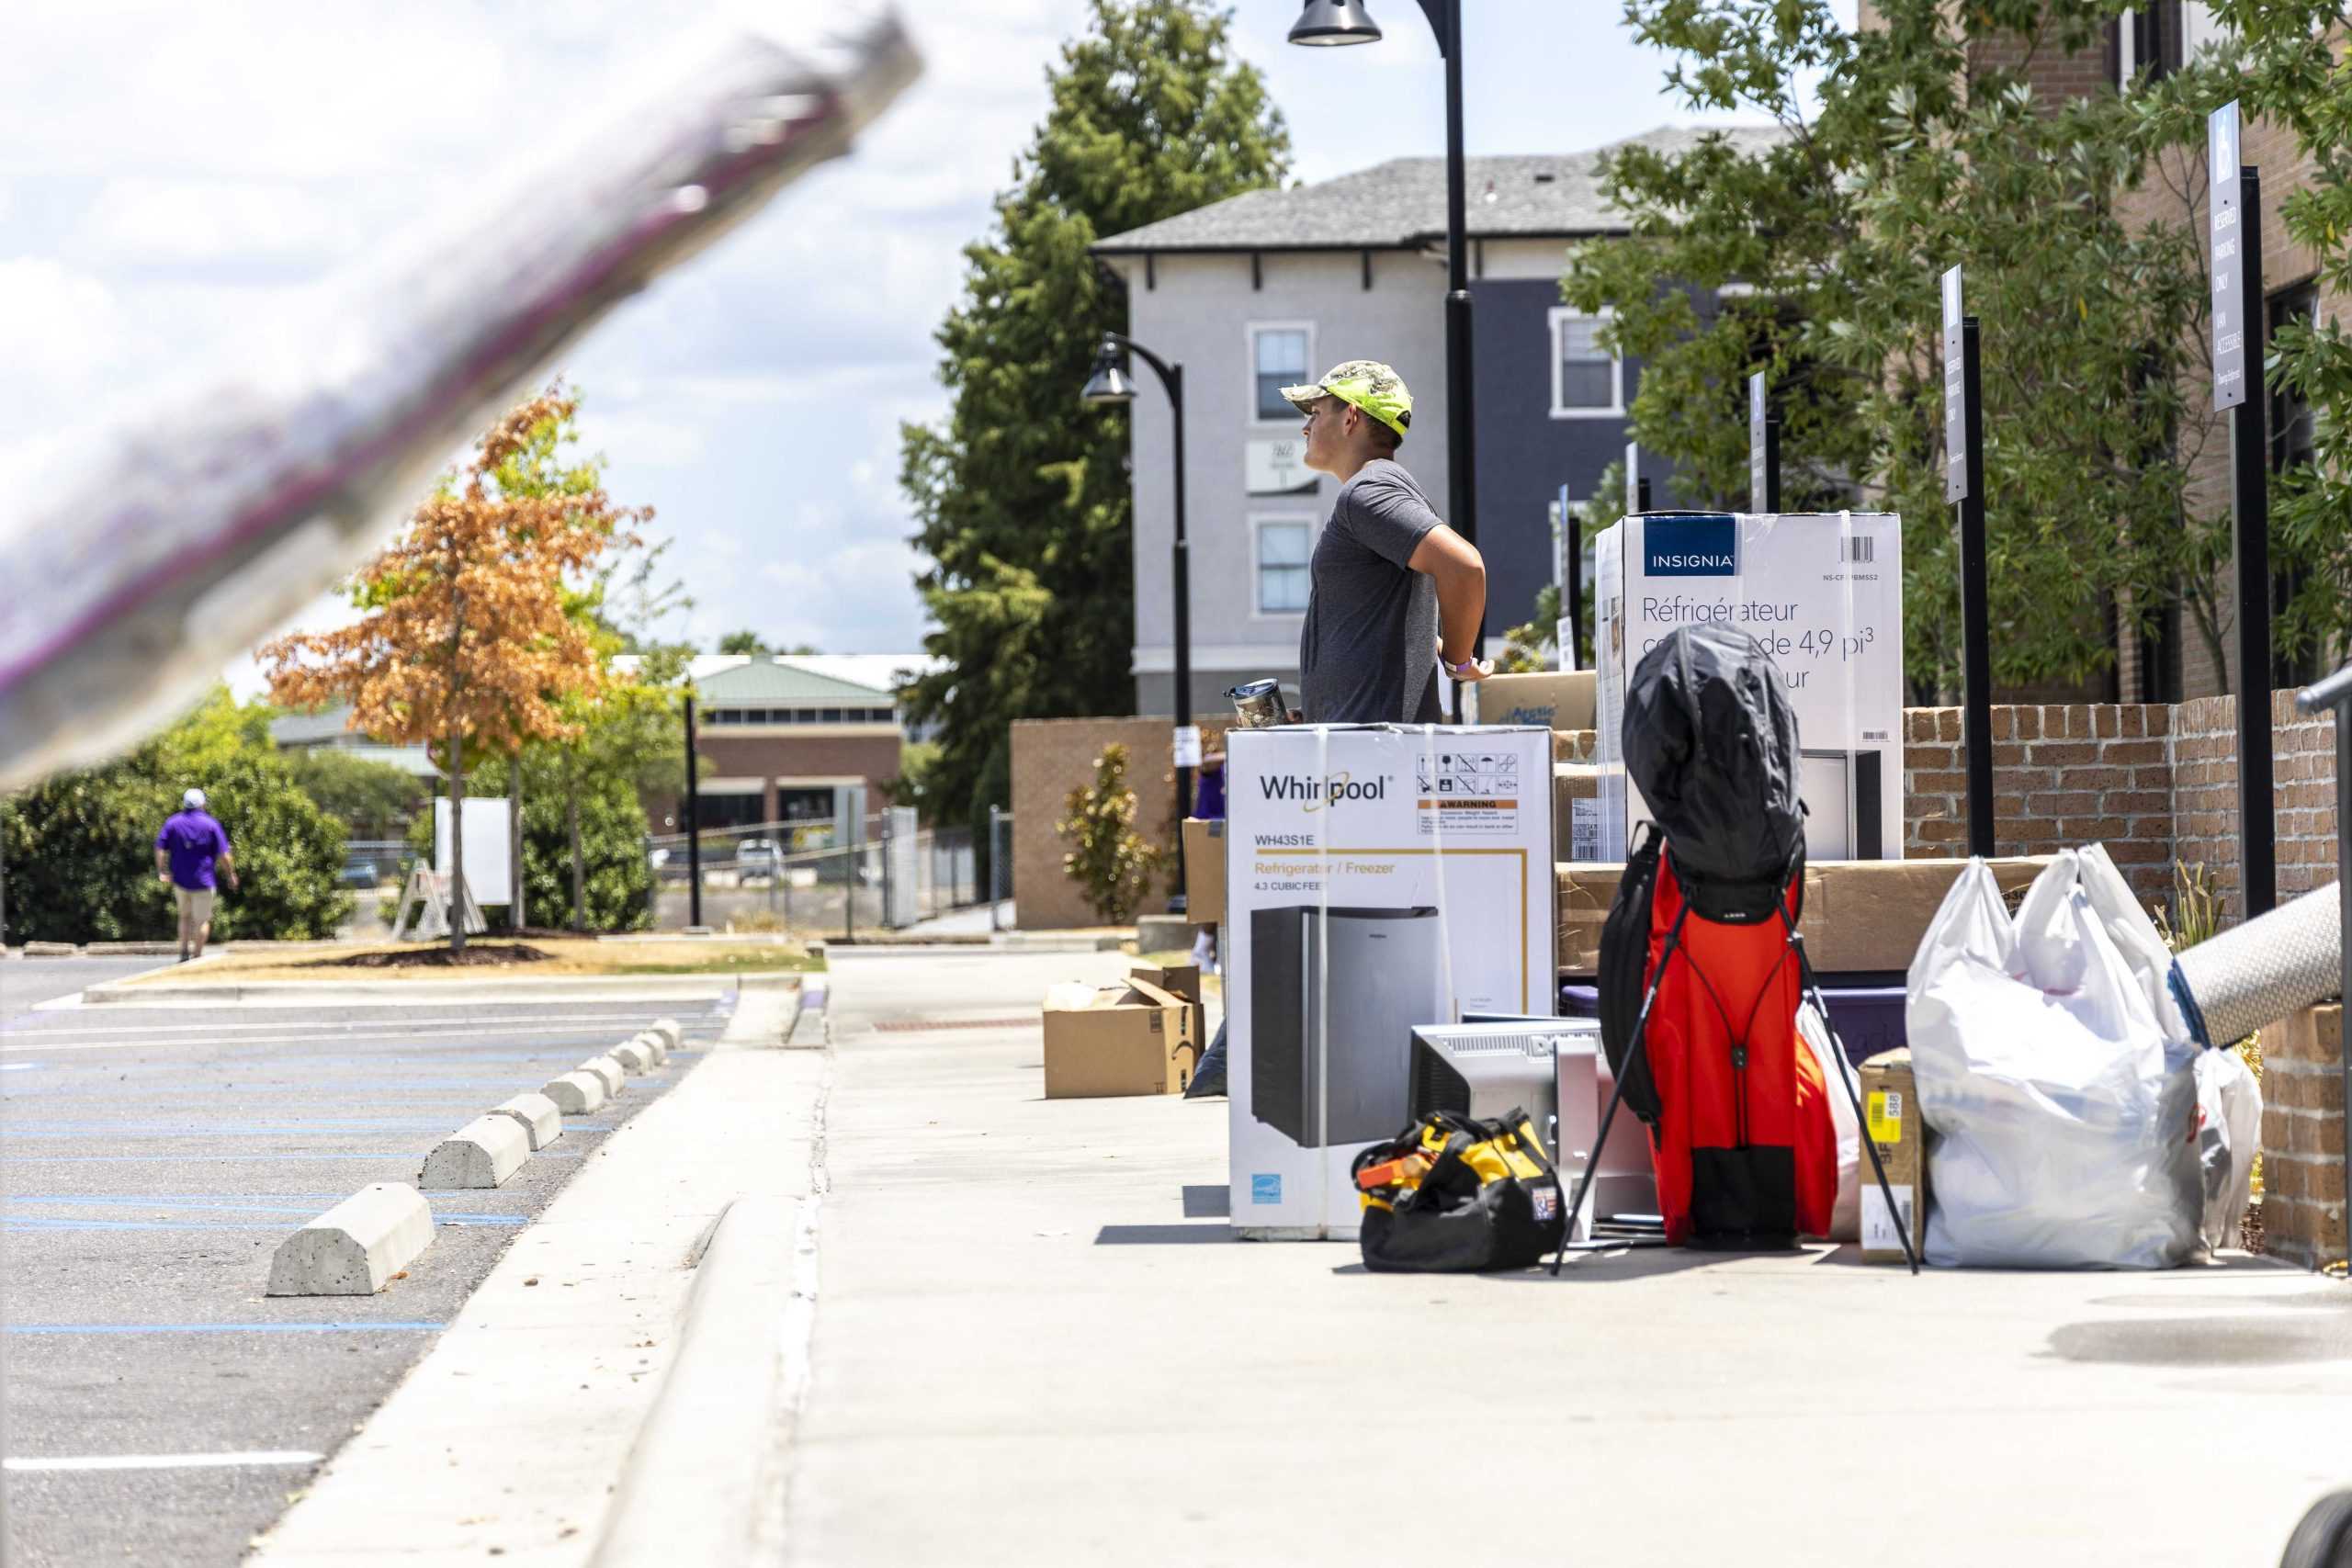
1363 383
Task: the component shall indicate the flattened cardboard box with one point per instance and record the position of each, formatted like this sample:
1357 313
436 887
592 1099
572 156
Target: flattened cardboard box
1204 871
1891 1112
1116 1039
1555 699
1859 917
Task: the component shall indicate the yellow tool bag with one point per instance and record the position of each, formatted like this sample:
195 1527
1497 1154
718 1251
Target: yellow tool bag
1454 1195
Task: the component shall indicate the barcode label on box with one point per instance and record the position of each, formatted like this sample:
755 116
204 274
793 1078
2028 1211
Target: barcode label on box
1857 547
1584 830
1887 1115
1881 1231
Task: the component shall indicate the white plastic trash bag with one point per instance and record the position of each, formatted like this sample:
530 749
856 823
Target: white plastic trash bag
1845 1214
2056 1071
2229 1132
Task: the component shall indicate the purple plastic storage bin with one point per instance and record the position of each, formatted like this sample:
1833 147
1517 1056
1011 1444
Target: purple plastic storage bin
1868 1017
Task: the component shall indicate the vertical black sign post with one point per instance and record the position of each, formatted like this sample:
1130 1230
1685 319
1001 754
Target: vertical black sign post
1964 482
693 826
1763 449
2238 333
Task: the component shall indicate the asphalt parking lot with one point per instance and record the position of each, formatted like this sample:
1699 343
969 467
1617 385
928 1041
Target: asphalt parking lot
159 1408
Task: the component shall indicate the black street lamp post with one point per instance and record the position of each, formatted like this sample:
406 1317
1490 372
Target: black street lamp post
1109 383
1325 22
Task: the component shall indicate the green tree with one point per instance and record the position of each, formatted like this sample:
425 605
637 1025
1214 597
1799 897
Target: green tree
1838 227
2295 75
1022 494
372 800
80 846
744 641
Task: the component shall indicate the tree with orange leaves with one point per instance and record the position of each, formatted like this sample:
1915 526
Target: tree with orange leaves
468 643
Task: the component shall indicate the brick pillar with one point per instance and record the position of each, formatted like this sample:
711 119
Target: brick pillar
2302 1137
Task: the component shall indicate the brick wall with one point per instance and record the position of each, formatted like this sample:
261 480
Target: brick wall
2205 794
1050 757
2302 1137
2062 777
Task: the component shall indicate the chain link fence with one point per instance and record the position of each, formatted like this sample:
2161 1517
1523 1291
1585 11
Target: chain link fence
800 876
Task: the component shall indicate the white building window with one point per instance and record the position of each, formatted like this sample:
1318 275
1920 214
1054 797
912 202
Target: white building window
1284 546
1587 381
1279 355
2155 40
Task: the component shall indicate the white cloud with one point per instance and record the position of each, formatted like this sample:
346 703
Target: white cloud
146 222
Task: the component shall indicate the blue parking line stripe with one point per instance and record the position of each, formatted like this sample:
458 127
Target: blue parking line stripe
386 1327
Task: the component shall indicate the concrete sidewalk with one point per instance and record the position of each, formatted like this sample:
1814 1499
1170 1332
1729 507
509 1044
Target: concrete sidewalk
1035 1344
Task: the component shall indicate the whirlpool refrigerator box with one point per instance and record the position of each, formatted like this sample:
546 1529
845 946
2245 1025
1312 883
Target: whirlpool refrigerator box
1823 593
1377 877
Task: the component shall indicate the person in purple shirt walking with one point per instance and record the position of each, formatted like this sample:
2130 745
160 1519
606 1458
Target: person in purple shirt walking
187 851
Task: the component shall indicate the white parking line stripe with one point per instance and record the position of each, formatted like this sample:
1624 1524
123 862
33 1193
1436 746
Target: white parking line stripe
251 1457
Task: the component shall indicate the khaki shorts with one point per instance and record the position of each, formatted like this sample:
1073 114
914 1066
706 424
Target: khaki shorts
196 904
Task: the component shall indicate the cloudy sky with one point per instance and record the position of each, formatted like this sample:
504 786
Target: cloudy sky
170 173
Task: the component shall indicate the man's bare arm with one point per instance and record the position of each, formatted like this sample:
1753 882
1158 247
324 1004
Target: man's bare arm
1454 565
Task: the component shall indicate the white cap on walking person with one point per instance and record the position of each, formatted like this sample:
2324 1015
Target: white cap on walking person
193 800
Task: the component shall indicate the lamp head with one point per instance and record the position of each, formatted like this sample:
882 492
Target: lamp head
1328 22
1108 382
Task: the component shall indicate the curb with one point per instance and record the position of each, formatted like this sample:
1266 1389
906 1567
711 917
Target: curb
356 1247
694 1478
312 993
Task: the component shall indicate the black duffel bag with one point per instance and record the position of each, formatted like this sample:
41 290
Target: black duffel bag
1456 1195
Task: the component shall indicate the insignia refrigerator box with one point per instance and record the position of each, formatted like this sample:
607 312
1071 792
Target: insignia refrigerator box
1823 593
1377 878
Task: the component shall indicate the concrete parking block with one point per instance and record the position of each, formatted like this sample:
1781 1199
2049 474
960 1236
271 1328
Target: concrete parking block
610 1070
576 1094
667 1027
356 1247
483 1152
631 1055
655 1045
50 949
540 1118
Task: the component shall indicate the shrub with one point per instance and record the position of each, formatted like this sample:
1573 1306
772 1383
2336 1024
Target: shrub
1115 866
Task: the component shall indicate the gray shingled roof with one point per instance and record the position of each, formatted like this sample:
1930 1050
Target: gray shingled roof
1402 202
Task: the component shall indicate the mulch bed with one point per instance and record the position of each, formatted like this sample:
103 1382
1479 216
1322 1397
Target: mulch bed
475 956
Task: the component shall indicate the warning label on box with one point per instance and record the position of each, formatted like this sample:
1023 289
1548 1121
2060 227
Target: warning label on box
1467 792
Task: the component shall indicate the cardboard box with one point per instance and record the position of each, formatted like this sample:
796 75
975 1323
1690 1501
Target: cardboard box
1204 871
1576 746
1380 877
1823 593
1183 981
1555 699
1891 1114
1576 812
1131 1039
1859 917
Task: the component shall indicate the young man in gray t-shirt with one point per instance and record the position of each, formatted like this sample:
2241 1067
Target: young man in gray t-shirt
1393 591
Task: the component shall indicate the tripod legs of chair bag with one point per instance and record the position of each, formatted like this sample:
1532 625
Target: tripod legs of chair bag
1617 1090
1853 1097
